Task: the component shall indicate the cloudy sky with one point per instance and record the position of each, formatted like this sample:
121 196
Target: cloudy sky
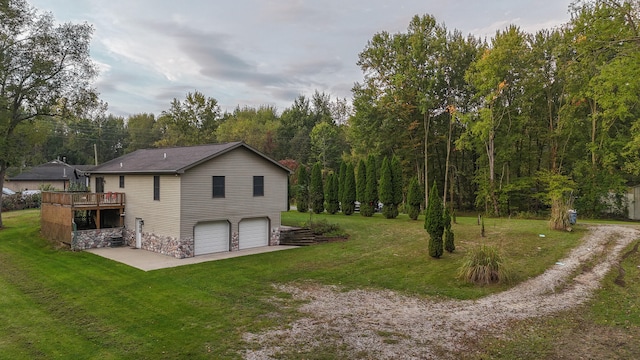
260 52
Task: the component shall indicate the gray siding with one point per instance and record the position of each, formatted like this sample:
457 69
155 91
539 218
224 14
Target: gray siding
238 167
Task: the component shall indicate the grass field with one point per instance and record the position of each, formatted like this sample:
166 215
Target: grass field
60 304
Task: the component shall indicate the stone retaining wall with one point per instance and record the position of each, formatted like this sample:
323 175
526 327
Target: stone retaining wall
165 245
91 239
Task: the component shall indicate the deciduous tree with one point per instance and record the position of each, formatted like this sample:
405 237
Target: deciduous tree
45 70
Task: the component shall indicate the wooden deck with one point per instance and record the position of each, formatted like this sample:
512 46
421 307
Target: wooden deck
83 200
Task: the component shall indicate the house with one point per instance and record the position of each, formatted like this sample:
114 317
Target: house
633 202
56 174
189 201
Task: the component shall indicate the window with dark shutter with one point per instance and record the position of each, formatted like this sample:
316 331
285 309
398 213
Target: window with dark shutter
121 181
258 186
218 186
156 187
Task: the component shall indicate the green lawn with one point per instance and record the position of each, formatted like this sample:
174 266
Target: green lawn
60 304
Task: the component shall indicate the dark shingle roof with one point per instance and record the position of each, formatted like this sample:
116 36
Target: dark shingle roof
54 170
170 160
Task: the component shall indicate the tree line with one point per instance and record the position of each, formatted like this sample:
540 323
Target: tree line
522 123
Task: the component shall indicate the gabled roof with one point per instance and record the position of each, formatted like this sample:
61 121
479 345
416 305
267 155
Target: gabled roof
55 170
175 160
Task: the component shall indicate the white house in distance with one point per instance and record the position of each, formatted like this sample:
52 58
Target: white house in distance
189 201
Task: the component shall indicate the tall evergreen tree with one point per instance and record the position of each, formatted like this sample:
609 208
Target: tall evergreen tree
302 195
317 189
434 222
414 198
361 183
333 202
398 182
349 195
449 244
370 203
341 174
386 190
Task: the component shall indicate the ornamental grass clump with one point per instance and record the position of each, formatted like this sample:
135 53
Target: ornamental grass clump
484 266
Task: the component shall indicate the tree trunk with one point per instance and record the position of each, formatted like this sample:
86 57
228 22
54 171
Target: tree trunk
3 171
427 123
446 164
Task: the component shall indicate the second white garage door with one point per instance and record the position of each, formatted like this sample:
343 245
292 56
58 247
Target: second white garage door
211 237
253 233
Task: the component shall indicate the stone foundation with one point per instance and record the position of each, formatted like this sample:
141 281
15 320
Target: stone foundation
274 240
91 239
235 241
165 245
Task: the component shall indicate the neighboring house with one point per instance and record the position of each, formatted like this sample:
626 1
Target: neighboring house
633 202
56 174
188 201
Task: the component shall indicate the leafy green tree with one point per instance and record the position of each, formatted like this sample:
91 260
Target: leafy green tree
302 194
192 121
256 127
434 223
497 77
326 145
370 203
414 198
333 202
386 190
317 189
45 69
349 195
142 132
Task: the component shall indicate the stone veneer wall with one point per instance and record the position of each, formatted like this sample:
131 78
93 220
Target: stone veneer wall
274 240
165 245
235 241
91 239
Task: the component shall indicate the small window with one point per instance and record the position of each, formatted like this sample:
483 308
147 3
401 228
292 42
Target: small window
258 186
121 181
218 186
156 187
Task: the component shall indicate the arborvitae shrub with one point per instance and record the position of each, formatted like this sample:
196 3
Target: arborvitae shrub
302 193
370 203
398 183
317 189
434 223
414 198
349 195
333 204
449 244
386 190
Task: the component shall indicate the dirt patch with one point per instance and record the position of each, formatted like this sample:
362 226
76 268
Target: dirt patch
387 325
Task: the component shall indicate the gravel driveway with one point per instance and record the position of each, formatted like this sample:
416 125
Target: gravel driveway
386 325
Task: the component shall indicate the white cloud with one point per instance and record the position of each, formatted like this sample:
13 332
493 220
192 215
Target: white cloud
253 52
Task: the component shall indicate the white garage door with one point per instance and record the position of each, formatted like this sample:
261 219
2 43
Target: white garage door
211 237
254 233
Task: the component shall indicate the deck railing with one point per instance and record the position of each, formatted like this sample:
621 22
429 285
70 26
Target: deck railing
83 199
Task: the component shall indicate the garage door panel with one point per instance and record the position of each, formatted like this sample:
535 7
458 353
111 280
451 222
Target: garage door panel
211 237
253 233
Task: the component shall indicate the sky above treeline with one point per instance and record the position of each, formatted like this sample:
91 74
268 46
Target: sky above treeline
261 52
